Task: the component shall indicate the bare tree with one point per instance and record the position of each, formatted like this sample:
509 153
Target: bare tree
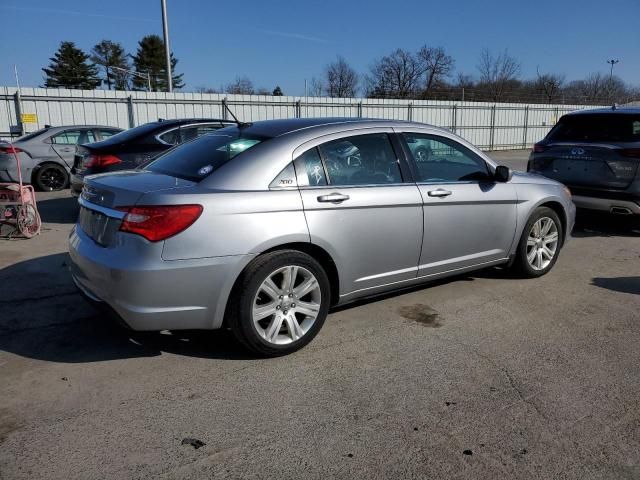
497 72
263 91
395 75
206 90
549 84
437 65
241 86
315 87
342 80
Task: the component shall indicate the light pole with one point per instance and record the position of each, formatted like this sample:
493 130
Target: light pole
612 62
167 50
147 77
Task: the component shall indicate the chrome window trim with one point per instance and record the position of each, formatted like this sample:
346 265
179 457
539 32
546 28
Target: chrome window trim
105 211
157 137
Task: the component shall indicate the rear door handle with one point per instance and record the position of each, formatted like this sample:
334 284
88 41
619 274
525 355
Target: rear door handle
440 192
333 198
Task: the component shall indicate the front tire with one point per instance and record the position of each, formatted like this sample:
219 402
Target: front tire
540 244
279 303
51 177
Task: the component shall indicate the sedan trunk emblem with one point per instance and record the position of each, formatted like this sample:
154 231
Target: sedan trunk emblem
577 151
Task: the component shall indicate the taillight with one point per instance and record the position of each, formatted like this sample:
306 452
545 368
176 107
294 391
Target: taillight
92 161
537 148
157 223
10 149
630 152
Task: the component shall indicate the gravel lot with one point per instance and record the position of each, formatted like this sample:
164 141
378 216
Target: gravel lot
480 376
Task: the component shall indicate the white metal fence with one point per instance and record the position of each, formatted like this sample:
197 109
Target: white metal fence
489 126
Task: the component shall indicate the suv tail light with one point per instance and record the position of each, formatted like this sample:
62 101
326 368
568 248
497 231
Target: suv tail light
10 149
92 161
630 152
160 222
537 148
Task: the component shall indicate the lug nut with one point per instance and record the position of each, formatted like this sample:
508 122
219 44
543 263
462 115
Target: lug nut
277 307
293 304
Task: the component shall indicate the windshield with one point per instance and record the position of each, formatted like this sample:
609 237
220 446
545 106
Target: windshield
607 127
196 160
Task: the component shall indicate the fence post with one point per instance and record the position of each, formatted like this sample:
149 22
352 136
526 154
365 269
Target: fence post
526 126
454 117
132 120
360 109
298 109
223 106
410 111
18 107
492 128
557 112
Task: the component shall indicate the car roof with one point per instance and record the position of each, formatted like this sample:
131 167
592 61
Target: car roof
608 110
180 121
277 128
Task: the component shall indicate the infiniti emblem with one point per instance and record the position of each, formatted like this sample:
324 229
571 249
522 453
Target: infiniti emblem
577 151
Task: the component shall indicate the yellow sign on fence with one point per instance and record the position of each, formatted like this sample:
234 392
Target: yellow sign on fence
29 118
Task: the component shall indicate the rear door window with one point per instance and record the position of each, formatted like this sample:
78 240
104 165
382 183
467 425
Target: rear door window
73 137
360 160
597 127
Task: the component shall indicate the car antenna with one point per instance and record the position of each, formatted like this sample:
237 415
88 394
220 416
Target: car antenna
240 124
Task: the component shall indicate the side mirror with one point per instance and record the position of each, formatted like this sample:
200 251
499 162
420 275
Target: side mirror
502 174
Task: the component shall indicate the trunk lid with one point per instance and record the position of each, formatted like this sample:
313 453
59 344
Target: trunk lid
587 165
102 194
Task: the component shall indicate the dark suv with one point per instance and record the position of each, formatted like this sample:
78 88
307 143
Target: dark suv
595 153
131 148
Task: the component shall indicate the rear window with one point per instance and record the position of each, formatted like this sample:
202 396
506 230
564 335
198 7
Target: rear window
196 160
597 128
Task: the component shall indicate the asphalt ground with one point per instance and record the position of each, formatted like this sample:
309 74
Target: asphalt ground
479 376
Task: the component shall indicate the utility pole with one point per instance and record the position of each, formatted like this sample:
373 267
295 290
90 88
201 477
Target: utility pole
167 49
612 62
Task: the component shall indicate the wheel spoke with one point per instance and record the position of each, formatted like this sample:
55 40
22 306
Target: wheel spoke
264 311
531 242
539 258
270 288
289 278
547 252
532 255
552 237
536 229
295 332
273 329
307 286
546 226
310 309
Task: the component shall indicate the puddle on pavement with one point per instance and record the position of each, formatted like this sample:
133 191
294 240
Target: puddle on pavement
422 314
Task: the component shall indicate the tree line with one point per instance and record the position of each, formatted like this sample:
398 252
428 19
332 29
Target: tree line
110 66
427 73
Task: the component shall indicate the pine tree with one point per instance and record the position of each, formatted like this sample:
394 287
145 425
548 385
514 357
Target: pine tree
150 59
69 69
277 92
108 54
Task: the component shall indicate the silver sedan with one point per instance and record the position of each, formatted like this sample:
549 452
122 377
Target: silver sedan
263 227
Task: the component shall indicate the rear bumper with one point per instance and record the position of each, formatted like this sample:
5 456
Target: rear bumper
607 204
154 294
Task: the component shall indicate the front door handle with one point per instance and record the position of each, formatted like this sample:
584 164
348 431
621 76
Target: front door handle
440 192
333 198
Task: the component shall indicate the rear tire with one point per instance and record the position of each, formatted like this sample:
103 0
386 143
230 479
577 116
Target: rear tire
539 244
51 177
279 303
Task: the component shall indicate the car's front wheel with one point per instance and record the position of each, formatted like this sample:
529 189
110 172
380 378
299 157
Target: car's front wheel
279 303
540 243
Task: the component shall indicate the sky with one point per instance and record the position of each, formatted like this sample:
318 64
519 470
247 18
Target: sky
285 42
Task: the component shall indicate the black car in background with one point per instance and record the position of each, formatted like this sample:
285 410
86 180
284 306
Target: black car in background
596 153
133 147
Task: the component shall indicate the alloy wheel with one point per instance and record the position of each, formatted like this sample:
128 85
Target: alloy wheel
542 243
52 179
286 305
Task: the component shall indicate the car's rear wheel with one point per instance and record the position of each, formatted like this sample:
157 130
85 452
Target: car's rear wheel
51 177
540 243
279 303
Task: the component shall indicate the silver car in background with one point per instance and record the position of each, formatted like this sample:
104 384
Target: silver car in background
46 155
263 227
